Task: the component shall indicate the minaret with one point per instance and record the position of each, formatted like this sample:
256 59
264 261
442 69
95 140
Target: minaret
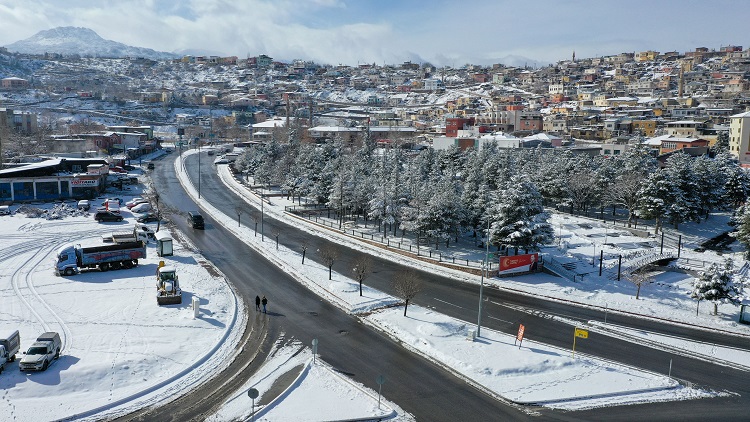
681 83
574 56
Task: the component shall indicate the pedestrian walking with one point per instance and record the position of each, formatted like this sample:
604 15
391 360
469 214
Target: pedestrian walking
257 303
264 302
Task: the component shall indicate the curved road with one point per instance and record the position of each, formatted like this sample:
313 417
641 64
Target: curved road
423 389
416 384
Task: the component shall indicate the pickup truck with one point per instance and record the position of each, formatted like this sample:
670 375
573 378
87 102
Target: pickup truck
42 352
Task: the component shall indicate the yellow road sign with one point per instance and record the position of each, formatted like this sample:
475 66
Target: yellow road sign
581 333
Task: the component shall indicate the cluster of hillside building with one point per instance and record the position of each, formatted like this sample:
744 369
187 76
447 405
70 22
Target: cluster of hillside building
668 101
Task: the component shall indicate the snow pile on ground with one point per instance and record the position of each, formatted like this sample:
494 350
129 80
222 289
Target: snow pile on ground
56 212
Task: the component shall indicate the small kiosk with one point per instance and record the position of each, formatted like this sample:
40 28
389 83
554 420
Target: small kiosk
744 311
164 244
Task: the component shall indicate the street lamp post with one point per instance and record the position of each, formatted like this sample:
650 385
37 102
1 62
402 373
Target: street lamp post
262 233
485 264
199 170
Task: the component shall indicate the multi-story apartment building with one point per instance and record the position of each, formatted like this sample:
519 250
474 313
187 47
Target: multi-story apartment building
739 137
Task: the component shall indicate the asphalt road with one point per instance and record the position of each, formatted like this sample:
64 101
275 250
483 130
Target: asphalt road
416 384
424 390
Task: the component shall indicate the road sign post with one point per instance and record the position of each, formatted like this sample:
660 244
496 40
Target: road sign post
380 380
314 348
253 394
579 332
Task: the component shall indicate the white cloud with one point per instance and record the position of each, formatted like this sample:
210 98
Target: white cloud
344 31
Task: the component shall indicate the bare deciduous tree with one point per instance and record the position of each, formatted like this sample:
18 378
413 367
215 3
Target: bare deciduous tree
362 269
639 278
238 209
406 286
329 254
624 192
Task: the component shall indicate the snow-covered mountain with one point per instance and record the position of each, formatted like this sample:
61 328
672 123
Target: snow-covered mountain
70 40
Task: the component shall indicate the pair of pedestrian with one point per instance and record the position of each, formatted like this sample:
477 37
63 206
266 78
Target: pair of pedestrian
259 301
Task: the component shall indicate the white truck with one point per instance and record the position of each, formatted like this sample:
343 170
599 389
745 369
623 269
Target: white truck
9 346
40 355
140 233
72 258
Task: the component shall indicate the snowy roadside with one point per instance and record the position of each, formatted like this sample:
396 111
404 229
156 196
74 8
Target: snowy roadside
709 352
443 339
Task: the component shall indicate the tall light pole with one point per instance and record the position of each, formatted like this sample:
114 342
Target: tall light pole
262 233
481 283
199 169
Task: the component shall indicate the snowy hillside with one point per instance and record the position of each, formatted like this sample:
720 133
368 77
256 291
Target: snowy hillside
71 40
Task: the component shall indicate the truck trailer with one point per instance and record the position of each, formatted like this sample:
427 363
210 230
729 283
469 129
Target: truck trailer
71 259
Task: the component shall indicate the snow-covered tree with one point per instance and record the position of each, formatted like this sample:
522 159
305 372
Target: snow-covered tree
655 197
736 187
710 178
685 204
441 216
741 221
518 217
716 285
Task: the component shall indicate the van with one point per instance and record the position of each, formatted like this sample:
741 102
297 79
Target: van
4 210
195 220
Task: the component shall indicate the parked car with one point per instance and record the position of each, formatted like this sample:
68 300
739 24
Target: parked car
107 216
195 220
117 169
150 166
149 217
210 152
84 204
4 210
141 208
135 201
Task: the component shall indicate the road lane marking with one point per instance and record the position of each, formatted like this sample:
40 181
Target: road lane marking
498 319
448 303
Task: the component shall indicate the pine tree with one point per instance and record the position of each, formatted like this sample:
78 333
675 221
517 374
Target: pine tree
716 285
741 221
518 217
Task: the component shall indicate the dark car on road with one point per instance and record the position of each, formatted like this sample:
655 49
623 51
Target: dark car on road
107 216
195 220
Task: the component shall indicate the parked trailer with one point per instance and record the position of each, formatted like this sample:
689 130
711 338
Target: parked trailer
72 259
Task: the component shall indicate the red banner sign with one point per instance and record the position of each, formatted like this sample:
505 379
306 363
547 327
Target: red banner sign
521 329
516 261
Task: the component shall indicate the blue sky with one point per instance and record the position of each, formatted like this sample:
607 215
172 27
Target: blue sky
392 31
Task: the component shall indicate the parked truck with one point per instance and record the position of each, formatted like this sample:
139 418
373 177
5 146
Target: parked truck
168 290
9 346
140 232
71 259
42 352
